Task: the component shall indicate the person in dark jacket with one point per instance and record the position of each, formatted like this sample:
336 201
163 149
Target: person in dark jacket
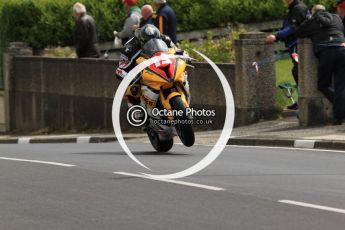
326 32
297 13
341 10
166 19
85 33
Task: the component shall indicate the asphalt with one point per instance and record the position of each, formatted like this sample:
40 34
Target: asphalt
34 194
284 132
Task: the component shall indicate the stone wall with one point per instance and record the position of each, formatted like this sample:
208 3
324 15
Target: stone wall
255 93
314 108
54 94
70 95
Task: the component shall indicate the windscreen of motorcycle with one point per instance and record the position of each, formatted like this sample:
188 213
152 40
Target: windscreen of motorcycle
154 46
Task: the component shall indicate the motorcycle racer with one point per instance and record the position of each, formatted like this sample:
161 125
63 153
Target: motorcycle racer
161 86
132 48
132 51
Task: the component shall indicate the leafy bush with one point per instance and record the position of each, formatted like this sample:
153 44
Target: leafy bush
15 13
218 50
62 52
43 23
50 22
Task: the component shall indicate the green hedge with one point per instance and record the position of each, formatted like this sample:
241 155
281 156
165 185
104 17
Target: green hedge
50 22
218 50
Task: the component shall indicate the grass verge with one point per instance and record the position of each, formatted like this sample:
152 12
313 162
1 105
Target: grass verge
283 74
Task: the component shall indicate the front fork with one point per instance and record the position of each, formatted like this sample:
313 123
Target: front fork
178 90
149 97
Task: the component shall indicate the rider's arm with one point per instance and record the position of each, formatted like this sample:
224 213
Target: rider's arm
129 54
172 45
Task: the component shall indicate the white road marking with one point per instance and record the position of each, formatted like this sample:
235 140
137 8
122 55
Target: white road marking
305 144
173 181
286 148
314 206
83 140
39 162
24 140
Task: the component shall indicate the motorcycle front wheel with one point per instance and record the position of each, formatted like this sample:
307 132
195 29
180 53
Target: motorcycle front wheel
183 128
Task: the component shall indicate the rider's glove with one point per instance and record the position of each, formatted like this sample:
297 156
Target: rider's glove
179 51
185 55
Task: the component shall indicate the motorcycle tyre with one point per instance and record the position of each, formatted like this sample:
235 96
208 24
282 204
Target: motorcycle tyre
184 131
161 146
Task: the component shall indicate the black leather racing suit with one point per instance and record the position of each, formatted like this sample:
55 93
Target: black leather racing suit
131 52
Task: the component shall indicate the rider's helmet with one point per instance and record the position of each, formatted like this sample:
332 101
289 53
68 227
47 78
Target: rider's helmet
130 2
146 33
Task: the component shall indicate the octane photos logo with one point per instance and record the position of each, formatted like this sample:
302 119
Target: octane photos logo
137 116
218 147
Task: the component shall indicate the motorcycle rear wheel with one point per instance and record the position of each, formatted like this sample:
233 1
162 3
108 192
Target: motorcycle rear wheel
184 131
159 145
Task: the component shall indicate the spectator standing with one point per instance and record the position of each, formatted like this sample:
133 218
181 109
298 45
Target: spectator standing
341 10
132 20
326 32
85 33
147 15
166 19
297 13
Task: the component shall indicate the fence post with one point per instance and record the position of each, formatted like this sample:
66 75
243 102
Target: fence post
314 108
255 94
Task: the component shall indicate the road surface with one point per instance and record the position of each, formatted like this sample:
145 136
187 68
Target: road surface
97 186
